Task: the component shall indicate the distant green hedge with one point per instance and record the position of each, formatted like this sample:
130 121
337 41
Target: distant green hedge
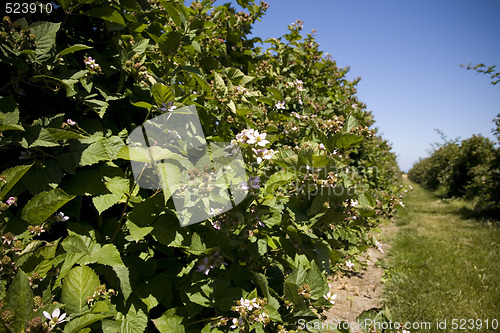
469 168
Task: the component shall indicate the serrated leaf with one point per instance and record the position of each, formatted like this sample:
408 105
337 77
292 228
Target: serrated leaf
94 153
278 179
38 136
79 284
134 321
162 94
170 178
173 13
106 13
45 38
169 322
201 82
12 176
76 324
343 140
351 123
9 114
108 255
93 253
317 281
169 42
118 187
44 204
197 246
148 155
99 106
72 49
60 134
43 177
137 233
19 300
219 84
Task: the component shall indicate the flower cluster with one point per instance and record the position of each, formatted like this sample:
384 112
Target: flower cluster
92 65
36 229
263 154
9 202
250 136
209 262
100 293
251 311
379 246
253 137
298 86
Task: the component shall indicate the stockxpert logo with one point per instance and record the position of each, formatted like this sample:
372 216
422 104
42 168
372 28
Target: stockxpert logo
170 153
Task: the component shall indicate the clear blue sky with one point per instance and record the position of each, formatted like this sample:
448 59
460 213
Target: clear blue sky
407 53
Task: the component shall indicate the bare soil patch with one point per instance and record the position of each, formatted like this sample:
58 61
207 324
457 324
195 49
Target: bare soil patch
358 292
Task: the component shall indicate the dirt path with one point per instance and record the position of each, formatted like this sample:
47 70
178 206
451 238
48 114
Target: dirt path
361 291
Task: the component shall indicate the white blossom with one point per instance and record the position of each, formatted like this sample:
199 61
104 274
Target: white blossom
330 298
60 217
55 318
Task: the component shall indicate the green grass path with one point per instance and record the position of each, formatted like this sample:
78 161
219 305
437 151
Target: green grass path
443 265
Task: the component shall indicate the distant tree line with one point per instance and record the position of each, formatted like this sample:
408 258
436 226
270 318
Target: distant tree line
469 168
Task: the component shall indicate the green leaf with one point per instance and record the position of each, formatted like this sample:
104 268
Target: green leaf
108 255
202 82
76 324
106 13
278 179
173 13
94 153
169 42
93 253
219 84
292 284
144 105
317 281
12 176
37 136
45 38
118 187
342 140
134 321
43 176
72 49
162 94
79 284
197 246
19 300
351 123
169 322
60 134
149 155
44 204
137 233
99 106
9 114
170 177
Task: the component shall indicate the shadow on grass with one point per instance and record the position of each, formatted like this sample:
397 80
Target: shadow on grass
490 215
